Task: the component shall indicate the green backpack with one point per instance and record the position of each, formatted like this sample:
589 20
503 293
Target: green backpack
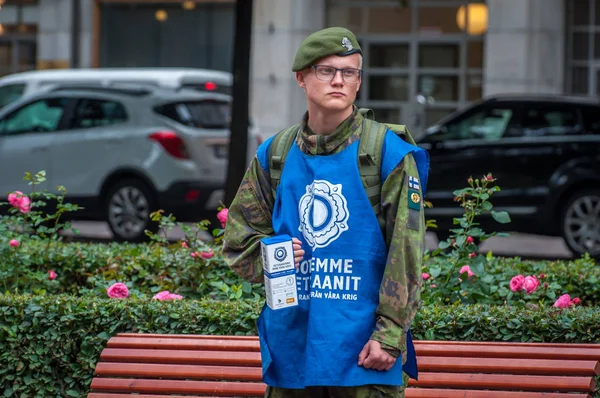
369 155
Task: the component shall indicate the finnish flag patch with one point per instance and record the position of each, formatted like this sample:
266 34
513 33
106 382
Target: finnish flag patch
413 183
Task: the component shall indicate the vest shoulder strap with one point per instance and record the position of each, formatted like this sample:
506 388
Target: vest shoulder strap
278 151
369 163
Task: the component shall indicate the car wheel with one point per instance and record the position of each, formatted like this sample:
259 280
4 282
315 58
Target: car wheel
581 223
128 207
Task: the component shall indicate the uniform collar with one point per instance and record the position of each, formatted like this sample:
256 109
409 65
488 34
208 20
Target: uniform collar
315 144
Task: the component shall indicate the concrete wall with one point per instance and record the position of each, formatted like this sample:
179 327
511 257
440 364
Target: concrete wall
279 26
54 35
524 49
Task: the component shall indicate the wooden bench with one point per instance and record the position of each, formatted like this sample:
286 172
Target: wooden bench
156 366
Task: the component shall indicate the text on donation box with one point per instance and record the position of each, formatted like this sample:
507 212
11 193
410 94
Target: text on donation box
279 272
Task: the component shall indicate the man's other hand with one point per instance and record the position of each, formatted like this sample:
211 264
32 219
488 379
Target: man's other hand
373 356
298 252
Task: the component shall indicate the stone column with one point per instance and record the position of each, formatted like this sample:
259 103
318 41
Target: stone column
279 26
524 48
54 37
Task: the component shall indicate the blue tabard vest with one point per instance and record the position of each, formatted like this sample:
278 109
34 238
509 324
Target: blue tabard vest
321 201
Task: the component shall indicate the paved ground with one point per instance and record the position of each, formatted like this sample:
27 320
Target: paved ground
523 245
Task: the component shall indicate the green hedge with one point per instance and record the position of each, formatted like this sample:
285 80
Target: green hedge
49 345
87 269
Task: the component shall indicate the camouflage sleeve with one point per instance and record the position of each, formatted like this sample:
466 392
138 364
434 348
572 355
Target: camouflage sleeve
405 237
249 221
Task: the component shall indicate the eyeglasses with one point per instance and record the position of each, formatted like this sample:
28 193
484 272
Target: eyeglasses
327 73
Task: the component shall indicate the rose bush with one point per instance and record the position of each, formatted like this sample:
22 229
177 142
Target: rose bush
457 274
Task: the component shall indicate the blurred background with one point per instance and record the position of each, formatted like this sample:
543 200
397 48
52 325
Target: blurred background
502 86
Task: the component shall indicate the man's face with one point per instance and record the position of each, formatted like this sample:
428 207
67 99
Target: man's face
327 88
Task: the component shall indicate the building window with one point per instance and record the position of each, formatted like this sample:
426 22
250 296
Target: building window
419 64
583 48
18 35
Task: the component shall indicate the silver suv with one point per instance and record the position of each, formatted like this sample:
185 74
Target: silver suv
122 152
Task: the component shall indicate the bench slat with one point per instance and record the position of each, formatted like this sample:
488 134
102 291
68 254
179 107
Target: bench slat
472 348
178 387
184 344
417 342
148 370
182 357
437 393
426 364
511 343
117 395
509 366
410 393
187 336
504 382
465 350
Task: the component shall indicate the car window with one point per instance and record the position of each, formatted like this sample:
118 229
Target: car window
591 119
39 116
486 124
10 93
96 113
201 114
549 120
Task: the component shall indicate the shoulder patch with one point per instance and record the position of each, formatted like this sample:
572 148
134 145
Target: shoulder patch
414 199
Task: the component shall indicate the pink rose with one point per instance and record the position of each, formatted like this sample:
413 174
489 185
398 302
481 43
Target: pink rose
469 239
472 255
194 254
530 284
433 285
467 269
489 177
184 245
425 276
20 201
563 301
575 301
165 295
117 290
51 275
15 198
516 283
13 243
222 216
207 254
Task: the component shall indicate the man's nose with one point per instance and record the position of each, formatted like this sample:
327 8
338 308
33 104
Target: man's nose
337 78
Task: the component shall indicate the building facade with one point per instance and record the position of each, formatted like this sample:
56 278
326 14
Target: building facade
423 58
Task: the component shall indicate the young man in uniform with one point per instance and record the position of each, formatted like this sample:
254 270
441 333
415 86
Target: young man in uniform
358 276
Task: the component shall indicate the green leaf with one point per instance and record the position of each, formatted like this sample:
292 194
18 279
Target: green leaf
73 393
501 216
435 270
476 232
174 315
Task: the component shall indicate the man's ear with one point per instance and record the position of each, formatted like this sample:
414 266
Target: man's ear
300 79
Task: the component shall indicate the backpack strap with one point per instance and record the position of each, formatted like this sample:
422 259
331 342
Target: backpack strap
369 163
278 151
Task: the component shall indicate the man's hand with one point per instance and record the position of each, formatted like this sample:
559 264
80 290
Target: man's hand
373 356
298 252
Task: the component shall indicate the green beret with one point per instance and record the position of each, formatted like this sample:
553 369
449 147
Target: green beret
326 42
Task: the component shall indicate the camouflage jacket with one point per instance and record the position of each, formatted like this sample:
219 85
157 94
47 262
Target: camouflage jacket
249 221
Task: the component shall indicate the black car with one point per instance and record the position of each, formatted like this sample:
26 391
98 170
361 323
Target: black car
544 152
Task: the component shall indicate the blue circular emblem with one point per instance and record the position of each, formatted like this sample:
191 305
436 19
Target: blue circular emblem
280 253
